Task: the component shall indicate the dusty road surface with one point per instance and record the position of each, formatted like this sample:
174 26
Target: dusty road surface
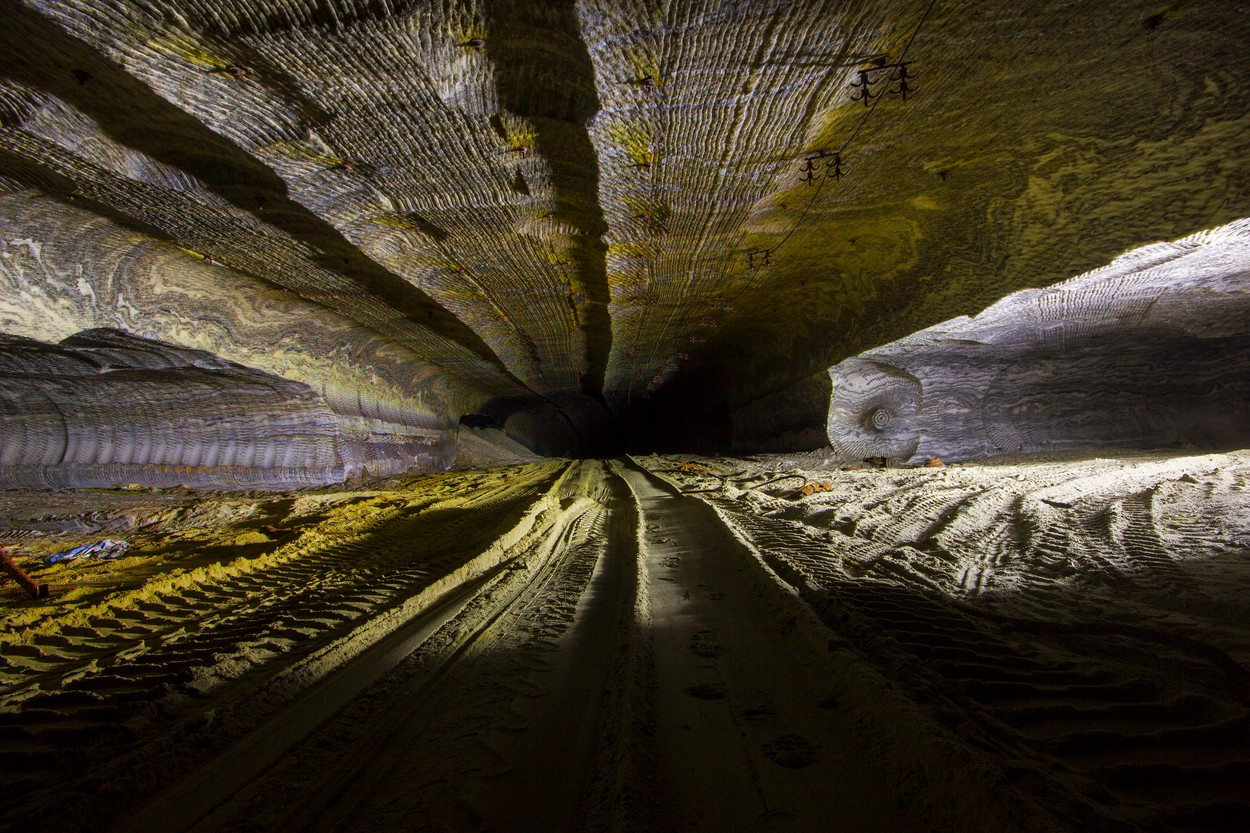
650 644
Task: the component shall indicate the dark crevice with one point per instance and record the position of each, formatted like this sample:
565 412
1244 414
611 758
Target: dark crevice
545 75
43 57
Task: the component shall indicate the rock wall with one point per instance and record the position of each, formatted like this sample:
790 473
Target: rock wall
592 219
64 269
104 408
484 447
1150 351
1042 140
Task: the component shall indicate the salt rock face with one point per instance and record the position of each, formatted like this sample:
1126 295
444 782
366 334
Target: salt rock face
600 222
1148 351
104 408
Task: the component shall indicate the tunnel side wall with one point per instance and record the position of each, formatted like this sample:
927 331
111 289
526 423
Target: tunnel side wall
104 408
1150 351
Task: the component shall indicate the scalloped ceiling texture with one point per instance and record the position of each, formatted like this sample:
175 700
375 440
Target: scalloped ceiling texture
600 224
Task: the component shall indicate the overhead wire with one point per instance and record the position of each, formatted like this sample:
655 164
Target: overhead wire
806 209
749 284
854 135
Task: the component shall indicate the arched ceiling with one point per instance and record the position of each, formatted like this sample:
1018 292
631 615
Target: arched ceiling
579 216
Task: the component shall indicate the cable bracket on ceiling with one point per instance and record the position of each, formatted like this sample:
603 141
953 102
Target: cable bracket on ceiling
895 76
833 167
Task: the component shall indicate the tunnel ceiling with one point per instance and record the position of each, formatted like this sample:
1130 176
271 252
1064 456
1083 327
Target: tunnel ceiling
577 214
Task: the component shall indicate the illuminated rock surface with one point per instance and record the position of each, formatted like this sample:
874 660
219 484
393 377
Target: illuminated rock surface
602 223
1149 351
103 408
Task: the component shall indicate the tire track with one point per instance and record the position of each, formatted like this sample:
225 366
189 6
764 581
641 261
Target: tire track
446 740
749 738
1141 726
205 661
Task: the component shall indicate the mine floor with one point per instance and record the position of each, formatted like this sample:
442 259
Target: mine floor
1043 643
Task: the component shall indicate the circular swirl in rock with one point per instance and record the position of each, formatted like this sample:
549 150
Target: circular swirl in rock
872 412
879 419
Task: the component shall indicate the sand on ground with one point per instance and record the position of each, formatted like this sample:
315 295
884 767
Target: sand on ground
660 643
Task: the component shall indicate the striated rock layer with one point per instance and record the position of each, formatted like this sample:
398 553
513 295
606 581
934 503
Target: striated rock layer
593 221
1148 351
1041 140
104 408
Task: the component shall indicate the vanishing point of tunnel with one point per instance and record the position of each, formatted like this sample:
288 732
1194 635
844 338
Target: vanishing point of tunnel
588 416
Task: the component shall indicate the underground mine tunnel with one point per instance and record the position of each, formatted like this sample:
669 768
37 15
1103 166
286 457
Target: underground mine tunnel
625 415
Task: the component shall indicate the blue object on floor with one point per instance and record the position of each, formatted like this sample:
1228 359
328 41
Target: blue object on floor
107 548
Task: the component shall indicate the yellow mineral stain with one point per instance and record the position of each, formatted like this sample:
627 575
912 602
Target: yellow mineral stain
182 47
644 64
635 140
520 133
835 125
631 250
293 150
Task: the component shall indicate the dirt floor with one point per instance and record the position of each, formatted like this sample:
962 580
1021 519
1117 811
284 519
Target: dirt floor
674 644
